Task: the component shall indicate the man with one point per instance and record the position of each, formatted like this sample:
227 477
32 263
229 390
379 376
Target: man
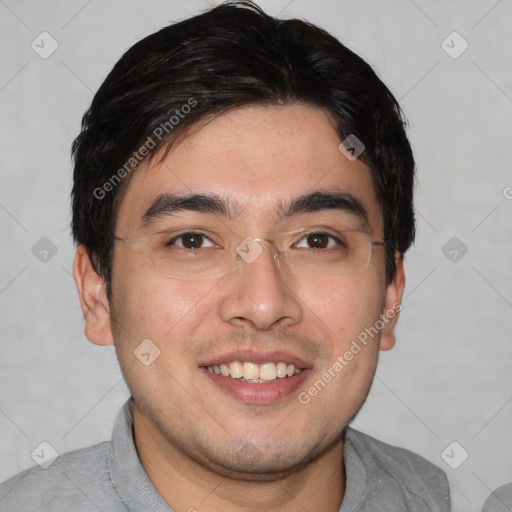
242 202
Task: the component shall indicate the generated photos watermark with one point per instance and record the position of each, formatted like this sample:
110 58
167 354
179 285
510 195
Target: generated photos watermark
343 360
144 150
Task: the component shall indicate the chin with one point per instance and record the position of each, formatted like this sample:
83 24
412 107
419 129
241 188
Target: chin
277 460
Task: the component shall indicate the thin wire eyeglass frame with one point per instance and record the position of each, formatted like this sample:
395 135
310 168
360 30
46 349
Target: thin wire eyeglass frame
249 249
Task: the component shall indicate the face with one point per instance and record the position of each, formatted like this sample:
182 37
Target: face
260 317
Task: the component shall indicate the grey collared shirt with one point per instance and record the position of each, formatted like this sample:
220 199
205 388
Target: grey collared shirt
109 477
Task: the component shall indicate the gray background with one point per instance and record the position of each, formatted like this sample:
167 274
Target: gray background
448 379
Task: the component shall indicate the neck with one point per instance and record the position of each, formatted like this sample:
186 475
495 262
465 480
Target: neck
189 486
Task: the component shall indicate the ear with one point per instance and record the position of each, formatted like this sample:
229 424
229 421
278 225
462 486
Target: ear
93 299
394 293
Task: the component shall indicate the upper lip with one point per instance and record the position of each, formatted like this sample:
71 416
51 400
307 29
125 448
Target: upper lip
258 357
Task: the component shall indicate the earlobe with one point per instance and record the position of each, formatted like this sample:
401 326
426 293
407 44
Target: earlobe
394 293
93 299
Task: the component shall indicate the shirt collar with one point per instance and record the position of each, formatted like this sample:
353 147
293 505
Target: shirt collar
129 479
356 472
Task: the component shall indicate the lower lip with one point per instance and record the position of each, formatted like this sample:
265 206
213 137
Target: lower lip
261 394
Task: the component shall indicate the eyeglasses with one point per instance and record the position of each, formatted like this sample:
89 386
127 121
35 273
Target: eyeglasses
193 253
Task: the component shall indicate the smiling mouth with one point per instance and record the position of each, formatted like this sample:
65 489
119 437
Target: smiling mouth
254 373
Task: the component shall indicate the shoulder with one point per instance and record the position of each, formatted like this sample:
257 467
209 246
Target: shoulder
395 459
401 472
71 482
500 500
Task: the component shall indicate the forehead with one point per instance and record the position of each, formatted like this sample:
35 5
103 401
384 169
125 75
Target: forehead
258 157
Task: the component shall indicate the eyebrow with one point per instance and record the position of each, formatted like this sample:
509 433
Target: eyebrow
327 200
169 204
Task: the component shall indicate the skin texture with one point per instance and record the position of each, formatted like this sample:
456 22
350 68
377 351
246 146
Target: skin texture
200 446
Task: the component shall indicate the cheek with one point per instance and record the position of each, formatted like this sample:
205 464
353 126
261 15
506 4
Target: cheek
148 305
345 307
346 310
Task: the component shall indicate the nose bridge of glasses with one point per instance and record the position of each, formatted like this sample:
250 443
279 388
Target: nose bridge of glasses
251 248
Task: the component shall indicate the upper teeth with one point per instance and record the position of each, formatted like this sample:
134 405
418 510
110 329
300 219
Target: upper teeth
253 371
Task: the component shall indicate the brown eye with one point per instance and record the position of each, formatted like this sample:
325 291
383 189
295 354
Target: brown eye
318 240
192 241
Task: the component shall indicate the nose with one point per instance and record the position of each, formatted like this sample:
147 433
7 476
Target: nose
258 292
